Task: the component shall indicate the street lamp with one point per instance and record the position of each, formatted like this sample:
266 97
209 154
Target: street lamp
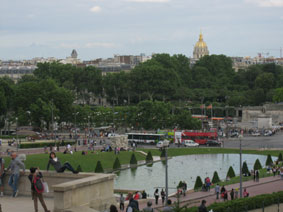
29 117
166 174
241 180
76 127
17 133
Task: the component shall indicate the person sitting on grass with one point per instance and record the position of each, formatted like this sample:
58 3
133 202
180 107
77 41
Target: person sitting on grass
54 161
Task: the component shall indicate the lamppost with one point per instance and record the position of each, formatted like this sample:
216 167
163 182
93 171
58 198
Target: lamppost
88 117
76 127
17 133
29 117
241 180
52 119
166 174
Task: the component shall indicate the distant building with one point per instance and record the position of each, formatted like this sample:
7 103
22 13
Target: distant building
200 48
73 59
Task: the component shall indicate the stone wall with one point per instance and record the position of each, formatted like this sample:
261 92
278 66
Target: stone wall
51 177
273 111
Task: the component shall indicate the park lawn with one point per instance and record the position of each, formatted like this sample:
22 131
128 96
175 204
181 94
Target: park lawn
193 151
87 162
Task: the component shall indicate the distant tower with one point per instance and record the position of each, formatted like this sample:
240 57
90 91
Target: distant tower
74 54
200 49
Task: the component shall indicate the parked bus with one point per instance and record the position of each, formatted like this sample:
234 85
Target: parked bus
199 136
145 138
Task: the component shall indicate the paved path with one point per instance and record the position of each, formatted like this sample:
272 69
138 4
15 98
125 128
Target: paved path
265 185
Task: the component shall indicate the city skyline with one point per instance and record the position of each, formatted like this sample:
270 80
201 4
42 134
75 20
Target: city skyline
102 28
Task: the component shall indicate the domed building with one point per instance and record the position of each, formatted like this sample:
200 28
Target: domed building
200 48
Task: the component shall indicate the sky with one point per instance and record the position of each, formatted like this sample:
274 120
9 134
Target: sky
102 28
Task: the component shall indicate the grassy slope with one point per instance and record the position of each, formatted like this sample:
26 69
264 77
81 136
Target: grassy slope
87 162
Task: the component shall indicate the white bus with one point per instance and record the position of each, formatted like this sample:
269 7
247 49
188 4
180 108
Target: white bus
145 138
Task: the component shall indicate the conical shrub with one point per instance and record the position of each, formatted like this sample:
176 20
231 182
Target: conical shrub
245 169
215 178
149 157
280 158
163 154
99 168
257 165
79 168
231 172
269 161
116 164
133 160
198 183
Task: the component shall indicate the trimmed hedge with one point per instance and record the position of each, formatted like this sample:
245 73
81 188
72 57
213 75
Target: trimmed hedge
244 204
117 164
269 161
245 169
79 168
149 157
215 178
280 158
133 160
231 172
99 168
257 165
163 153
198 183
43 144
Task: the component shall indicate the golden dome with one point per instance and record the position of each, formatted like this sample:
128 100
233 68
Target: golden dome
200 43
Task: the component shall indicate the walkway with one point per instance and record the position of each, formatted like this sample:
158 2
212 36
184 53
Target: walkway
264 186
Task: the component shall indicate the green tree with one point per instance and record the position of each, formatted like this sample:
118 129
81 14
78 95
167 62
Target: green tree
245 169
280 158
215 178
231 173
257 165
269 160
79 168
99 168
198 183
278 95
183 119
117 164
133 160
149 157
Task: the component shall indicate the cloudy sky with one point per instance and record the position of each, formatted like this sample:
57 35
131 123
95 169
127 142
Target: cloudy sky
101 28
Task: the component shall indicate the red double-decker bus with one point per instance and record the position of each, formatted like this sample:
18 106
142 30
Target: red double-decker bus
199 136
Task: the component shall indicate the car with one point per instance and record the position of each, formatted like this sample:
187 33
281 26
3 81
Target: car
268 133
190 143
234 134
255 134
164 143
212 143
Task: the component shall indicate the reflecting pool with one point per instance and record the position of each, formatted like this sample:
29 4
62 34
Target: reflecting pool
186 168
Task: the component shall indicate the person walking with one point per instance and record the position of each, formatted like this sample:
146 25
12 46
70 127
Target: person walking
202 207
133 204
236 193
122 202
113 208
184 187
257 175
148 208
168 207
162 193
232 194
54 161
156 195
15 165
35 173
217 190
2 173
245 193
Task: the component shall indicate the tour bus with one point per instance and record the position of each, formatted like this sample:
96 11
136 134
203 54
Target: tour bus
145 138
199 137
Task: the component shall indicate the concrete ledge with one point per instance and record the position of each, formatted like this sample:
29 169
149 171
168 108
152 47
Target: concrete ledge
88 181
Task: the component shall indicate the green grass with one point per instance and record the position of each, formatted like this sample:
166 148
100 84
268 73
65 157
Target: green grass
87 162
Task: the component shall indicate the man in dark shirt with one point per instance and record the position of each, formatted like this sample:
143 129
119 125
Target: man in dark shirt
202 207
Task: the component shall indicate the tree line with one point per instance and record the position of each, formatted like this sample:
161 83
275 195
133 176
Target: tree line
150 95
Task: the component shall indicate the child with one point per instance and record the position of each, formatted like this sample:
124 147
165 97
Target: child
34 172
